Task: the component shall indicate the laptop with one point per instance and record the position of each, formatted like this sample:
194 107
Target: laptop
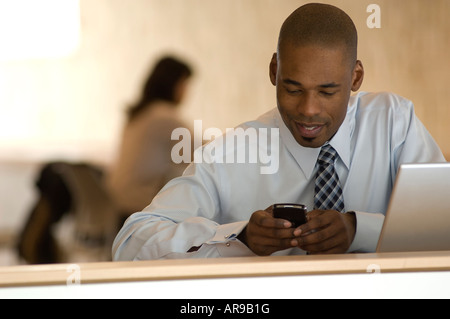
418 216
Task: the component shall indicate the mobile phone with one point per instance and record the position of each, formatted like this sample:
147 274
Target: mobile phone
295 213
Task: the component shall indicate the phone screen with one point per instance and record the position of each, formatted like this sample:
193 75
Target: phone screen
295 213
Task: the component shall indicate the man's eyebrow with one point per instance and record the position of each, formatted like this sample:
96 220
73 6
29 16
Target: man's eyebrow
329 85
323 86
292 82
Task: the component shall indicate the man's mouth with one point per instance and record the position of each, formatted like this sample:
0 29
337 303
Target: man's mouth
309 130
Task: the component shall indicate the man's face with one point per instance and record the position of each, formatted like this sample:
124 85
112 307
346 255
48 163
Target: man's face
313 89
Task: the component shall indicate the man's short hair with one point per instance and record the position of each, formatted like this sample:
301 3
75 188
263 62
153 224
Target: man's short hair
320 24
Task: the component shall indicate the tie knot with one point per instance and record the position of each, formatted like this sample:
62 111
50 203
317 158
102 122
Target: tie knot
327 155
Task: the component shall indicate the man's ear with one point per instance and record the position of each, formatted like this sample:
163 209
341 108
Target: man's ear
273 68
358 76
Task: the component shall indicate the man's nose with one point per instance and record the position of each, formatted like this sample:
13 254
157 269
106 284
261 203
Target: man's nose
309 105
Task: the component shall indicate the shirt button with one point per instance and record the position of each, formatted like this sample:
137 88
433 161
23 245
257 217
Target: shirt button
228 244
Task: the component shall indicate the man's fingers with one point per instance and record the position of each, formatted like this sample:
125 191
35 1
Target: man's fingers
261 226
316 220
320 241
326 232
265 219
265 235
275 243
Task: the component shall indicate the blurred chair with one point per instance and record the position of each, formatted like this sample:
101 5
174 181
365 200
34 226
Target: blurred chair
93 213
73 219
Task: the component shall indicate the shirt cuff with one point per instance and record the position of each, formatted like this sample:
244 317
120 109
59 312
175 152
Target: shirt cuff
368 229
227 243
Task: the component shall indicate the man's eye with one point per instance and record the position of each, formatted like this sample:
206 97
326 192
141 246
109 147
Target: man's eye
327 93
294 91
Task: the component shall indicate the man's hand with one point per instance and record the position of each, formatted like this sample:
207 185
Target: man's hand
265 234
327 232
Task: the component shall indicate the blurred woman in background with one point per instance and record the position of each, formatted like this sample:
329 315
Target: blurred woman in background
144 164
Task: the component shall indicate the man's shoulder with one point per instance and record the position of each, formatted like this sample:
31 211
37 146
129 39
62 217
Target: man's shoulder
380 102
381 113
266 120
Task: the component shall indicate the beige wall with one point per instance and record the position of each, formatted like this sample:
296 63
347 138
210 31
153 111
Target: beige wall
73 106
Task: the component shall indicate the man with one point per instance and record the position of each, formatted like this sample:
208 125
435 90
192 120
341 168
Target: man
338 155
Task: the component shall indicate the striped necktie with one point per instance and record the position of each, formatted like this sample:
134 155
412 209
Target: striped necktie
328 191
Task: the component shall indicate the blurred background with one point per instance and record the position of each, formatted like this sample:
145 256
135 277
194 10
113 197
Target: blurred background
69 69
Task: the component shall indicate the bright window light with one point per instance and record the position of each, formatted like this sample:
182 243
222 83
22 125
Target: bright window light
31 29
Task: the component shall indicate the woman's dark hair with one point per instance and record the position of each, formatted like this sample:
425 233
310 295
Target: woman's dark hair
161 83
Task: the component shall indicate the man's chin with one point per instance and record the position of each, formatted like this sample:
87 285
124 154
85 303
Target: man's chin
310 142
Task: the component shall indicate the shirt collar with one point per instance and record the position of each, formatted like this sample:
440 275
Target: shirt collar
307 157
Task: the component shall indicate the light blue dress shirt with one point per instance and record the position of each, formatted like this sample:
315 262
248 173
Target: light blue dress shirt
212 202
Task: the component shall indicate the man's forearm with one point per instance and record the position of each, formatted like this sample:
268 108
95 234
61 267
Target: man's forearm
368 229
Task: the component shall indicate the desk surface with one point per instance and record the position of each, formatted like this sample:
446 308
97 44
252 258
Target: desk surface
106 272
